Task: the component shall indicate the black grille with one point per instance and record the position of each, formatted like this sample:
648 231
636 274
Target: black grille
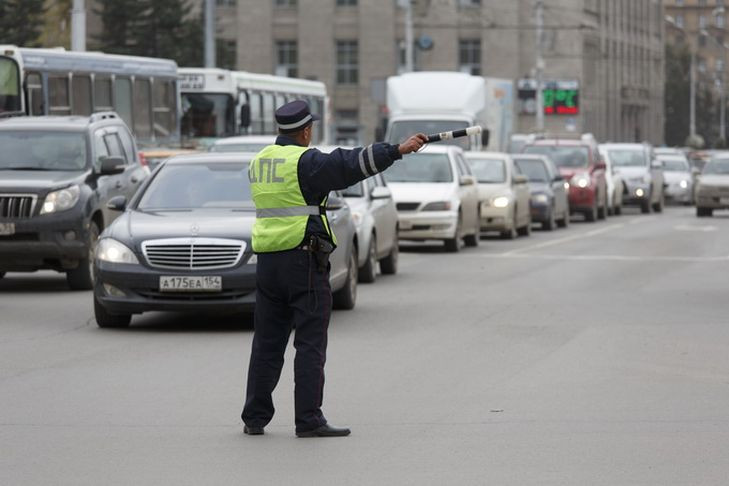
16 207
193 254
407 206
193 297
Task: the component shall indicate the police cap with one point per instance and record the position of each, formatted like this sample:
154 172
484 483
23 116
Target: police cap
294 116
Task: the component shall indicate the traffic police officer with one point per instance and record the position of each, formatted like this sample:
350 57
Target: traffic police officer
292 238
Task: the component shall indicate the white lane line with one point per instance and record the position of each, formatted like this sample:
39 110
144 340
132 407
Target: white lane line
691 227
617 258
566 239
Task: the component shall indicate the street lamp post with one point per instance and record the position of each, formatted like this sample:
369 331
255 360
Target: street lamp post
540 65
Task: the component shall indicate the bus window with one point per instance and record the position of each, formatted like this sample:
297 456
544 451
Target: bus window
81 95
256 115
269 125
58 98
123 99
280 101
35 94
102 94
208 115
164 108
9 85
142 114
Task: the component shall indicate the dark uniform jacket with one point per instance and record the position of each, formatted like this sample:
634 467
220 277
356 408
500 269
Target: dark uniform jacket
321 173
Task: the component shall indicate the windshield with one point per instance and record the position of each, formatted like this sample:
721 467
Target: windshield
488 170
354 191
628 157
401 130
208 115
199 186
562 156
238 147
9 85
421 168
534 170
675 164
42 150
717 166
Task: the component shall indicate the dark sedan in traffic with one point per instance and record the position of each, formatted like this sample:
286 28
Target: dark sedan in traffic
183 243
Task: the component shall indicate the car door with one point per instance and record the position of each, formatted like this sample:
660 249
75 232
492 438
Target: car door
135 173
467 193
385 218
560 193
341 225
107 186
521 192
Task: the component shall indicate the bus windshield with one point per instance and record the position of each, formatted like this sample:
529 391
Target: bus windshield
9 85
401 130
208 115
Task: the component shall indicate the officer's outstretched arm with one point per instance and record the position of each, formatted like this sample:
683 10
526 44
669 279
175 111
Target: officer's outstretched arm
343 168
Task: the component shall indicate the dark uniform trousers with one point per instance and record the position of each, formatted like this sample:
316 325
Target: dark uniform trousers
291 291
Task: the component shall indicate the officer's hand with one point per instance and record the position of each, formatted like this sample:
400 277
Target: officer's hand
413 144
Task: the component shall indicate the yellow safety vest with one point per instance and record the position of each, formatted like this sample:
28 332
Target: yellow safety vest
281 210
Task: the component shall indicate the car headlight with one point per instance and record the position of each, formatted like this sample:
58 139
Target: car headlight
540 198
438 206
357 218
252 260
566 186
580 180
500 202
683 184
110 250
61 200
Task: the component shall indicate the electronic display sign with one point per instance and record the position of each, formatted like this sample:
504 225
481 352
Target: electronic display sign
560 97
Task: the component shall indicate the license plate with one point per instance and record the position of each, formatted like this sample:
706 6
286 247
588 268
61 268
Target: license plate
7 229
724 201
406 225
190 284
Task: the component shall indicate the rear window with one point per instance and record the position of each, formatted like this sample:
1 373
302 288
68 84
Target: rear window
238 147
628 157
534 170
199 186
43 150
675 164
421 168
717 166
488 170
562 156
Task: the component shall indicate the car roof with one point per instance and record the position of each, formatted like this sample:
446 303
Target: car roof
487 155
623 146
45 122
246 138
567 142
540 157
208 157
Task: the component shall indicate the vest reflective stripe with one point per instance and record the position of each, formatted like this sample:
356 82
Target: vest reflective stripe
293 211
282 212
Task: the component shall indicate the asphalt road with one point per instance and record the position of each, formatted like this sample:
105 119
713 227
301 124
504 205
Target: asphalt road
596 355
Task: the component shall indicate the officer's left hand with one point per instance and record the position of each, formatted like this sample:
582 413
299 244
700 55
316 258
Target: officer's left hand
413 144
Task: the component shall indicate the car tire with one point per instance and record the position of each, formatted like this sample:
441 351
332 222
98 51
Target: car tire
549 223
602 212
388 265
346 297
473 240
618 210
368 272
2 274
453 245
105 319
703 212
591 215
82 277
645 206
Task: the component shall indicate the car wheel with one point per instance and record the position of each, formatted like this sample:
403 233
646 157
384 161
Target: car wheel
618 210
346 297
591 215
702 212
104 319
388 265
602 211
82 277
550 223
2 274
472 240
368 272
453 245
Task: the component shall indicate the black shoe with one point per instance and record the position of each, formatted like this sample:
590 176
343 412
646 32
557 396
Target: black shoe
253 430
325 431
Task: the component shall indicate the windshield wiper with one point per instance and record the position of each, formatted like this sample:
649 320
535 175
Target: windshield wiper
23 168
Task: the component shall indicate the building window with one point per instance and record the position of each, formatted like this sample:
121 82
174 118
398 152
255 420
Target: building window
287 59
702 40
225 3
347 128
679 21
469 56
720 20
702 21
346 3
225 53
702 66
284 3
469 3
347 62
719 65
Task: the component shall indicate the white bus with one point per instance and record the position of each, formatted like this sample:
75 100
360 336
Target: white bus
219 103
142 90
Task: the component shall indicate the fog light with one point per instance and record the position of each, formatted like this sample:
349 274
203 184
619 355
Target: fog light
639 192
69 235
113 291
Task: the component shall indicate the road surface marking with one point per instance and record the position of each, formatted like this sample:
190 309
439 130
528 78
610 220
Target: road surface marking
618 258
566 239
690 227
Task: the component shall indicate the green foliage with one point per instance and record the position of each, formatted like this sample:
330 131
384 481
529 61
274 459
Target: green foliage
677 104
154 28
21 22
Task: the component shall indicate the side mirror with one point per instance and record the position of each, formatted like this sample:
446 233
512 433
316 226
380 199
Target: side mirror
656 164
381 192
117 203
467 180
245 116
558 178
519 179
334 203
112 165
600 166
485 137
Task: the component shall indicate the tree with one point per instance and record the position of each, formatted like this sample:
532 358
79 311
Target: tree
153 28
21 22
677 102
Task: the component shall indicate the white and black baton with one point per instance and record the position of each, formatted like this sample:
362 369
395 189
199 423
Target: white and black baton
463 132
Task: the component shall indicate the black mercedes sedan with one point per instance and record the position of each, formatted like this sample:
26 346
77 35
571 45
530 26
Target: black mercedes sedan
183 243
